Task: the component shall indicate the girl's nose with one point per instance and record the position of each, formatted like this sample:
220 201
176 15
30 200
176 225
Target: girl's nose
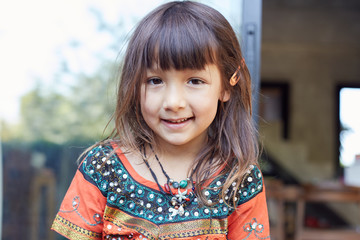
174 99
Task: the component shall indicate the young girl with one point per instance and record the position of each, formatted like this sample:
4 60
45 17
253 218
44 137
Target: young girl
182 160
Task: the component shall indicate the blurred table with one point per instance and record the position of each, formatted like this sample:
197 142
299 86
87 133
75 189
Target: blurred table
327 193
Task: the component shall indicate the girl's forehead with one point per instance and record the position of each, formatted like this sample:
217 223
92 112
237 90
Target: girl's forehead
180 62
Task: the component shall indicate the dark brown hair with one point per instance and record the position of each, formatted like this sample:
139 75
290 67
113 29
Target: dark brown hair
189 35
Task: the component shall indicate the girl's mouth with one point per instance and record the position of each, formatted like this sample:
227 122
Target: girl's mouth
178 121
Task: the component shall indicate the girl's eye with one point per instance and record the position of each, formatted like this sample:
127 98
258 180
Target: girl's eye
154 81
195 81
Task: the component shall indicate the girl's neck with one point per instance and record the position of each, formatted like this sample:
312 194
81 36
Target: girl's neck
185 153
174 157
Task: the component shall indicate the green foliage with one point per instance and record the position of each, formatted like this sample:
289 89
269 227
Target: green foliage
71 112
79 115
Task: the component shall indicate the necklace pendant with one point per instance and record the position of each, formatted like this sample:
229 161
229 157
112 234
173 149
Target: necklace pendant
167 188
178 203
181 195
177 210
181 210
183 183
174 201
175 184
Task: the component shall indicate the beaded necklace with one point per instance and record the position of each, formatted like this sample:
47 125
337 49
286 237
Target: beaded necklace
180 200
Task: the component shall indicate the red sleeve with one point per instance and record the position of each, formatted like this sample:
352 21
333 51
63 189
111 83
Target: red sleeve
250 220
80 214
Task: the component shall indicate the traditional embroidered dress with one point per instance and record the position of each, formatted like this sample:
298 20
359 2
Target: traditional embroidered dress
107 199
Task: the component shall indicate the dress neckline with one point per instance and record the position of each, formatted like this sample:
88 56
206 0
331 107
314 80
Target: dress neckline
146 182
134 174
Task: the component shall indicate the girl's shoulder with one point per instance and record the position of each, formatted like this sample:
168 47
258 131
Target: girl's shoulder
107 165
99 151
251 184
98 163
103 150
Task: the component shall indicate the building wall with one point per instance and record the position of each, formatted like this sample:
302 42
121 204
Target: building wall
314 46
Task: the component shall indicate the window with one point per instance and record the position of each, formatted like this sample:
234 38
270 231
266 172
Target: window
349 125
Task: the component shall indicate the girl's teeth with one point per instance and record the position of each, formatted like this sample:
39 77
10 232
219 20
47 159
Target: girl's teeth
179 121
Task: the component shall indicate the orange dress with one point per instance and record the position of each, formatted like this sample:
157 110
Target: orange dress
107 199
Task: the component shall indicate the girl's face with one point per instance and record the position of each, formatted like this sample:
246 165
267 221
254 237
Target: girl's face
179 106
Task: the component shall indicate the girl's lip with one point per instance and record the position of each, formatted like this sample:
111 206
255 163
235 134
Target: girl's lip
176 123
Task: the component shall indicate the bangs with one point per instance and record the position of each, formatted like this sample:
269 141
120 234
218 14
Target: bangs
179 42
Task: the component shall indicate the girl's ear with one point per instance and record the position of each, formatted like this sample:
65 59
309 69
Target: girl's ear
225 96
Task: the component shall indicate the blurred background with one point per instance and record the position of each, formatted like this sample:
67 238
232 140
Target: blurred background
59 66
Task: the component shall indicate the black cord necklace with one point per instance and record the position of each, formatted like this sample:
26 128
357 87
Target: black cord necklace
180 200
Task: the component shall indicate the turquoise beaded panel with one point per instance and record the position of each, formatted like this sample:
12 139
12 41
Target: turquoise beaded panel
105 170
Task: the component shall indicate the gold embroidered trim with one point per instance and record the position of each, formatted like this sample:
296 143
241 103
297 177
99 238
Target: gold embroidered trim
119 218
166 231
194 228
72 231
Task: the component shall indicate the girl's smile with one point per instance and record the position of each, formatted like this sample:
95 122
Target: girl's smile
179 106
181 120
177 123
